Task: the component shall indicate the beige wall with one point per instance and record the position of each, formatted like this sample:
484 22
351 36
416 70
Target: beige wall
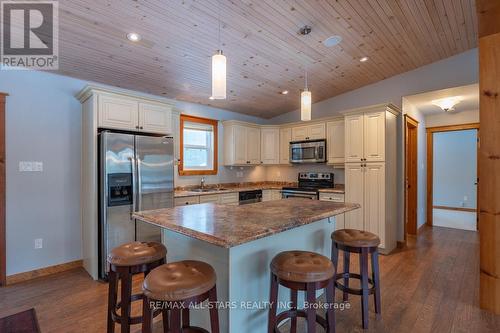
446 119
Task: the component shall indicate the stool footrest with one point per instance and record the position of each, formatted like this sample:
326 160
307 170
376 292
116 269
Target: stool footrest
353 291
294 314
132 320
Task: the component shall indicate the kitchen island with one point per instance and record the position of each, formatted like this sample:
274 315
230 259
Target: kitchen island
240 242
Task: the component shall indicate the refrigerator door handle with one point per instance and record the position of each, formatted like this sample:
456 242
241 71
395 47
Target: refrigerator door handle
139 185
134 183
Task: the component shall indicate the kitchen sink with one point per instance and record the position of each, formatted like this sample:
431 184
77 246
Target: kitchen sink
208 190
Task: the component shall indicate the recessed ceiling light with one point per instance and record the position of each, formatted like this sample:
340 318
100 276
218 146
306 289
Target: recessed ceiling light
211 98
332 41
134 37
284 92
363 59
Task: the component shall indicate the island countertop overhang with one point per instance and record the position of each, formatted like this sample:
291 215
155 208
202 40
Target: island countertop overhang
228 226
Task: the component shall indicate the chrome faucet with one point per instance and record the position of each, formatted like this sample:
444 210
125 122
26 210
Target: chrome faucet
202 183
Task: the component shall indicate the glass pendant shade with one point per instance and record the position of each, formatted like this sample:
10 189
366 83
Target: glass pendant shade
305 105
219 76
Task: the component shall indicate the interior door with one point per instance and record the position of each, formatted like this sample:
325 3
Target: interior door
411 170
354 138
374 137
155 180
354 193
374 209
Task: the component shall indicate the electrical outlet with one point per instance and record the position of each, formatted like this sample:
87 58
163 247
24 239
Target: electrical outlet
25 166
38 166
38 243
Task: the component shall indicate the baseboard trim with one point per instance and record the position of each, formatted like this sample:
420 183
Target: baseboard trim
26 276
421 227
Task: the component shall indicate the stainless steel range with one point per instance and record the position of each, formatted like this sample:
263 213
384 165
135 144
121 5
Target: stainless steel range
309 185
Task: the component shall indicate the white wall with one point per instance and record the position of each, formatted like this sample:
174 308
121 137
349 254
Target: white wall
43 123
445 118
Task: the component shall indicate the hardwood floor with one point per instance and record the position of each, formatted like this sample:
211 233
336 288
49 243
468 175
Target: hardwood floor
430 286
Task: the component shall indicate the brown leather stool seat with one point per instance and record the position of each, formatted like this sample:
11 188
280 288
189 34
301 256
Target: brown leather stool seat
137 253
179 280
302 266
179 285
302 271
355 238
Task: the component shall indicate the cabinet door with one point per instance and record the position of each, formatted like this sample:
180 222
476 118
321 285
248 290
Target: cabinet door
276 195
354 193
253 145
239 144
354 138
267 195
211 198
185 201
374 137
335 142
229 199
119 113
374 209
285 138
269 140
155 118
299 133
316 132
335 197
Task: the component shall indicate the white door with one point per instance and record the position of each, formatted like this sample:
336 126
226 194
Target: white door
316 132
118 113
374 208
155 118
299 133
374 137
239 145
285 138
354 138
354 193
335 141
270 145
253 145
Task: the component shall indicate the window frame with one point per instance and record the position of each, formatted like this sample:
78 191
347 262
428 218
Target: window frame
193 119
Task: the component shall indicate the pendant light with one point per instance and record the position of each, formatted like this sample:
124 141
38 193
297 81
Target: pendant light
305 103
219 72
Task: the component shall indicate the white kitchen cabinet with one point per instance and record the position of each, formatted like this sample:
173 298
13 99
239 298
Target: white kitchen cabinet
354 138
242 144
374 200
335 141
309 132
117 112
185 201
155 118
354 193
270 145
335 197
253 145
365 137
232 199
239 145
209 198
269 195
285 138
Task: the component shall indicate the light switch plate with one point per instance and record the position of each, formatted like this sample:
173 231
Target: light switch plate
38 166
25 166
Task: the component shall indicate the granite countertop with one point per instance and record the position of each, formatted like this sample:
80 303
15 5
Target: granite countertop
228 226
179 193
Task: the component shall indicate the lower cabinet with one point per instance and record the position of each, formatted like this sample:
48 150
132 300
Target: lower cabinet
269 195
222 199
184 201
335 197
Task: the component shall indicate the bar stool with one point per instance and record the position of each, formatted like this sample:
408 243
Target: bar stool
125 261
178 286
302 271
364 243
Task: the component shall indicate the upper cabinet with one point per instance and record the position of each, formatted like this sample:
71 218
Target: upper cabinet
270 145
309 132
130 113
285 138
335 141
241 144
365 137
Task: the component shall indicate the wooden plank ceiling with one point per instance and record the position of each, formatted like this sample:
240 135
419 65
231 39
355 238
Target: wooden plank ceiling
260 39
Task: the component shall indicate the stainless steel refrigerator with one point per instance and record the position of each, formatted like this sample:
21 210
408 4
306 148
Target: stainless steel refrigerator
136 173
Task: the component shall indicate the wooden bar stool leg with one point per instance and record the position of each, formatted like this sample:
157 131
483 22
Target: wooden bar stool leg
347 257
126 292
164 316
147 316
293 300
112 294
310 311
175 320
330 312
363 264
376 282
185 317
335 260
214 312
273 299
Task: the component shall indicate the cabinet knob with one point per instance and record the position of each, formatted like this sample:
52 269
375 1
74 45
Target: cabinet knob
137 127
141 127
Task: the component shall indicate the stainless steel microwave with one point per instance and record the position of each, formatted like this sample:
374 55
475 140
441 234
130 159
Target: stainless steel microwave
312 151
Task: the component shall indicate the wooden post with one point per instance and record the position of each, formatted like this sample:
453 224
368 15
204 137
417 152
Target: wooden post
3 259
489 153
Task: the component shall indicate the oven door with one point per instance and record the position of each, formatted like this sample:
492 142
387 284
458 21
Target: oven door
308 152
299 194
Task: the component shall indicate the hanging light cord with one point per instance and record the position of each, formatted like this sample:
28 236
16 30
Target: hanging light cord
220 45
307 87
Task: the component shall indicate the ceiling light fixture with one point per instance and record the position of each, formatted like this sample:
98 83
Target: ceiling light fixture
134 37
447 104
211 98
284 92
364 59
305 103
332 41
219 65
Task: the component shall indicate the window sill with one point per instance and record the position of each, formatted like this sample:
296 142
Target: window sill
197 172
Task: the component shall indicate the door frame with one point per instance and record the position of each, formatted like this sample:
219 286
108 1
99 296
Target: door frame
3 230
430 162
410 122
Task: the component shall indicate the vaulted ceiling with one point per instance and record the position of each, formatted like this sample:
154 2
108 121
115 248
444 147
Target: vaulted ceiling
260 38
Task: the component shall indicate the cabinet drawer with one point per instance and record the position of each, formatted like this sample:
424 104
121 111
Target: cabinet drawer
213 198
184 201
229 198
337 197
